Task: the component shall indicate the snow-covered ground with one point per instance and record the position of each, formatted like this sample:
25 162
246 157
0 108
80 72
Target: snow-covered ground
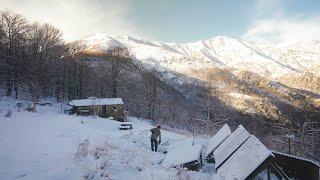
51 145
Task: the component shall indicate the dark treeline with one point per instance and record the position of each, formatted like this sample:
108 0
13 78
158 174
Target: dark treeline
36 63
31 57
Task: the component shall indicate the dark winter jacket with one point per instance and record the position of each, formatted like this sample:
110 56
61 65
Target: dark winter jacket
155 133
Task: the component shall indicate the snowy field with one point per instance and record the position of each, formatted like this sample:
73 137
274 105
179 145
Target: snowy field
51 145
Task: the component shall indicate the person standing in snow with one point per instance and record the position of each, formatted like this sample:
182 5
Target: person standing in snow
155 133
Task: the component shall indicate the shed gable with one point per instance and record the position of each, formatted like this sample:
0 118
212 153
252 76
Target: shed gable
217 139
230 145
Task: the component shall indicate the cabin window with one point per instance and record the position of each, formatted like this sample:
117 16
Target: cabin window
114 109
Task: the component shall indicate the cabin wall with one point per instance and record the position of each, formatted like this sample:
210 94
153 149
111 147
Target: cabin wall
105 111
115 111
92 110
266 169
297 168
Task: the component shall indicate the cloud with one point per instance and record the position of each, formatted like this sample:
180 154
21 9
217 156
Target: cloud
265 7
283 30
78 18
271 25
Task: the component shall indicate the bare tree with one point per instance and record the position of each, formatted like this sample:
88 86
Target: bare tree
43 43
302 140
151 84
308 138
116 55
211 113
13 28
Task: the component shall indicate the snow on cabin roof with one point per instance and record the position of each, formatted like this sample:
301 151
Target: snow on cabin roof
296 157
217 139
244 160
181 153
230 145
96 101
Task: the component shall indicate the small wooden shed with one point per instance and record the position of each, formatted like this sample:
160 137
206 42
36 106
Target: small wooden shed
242 156
102 107
296 167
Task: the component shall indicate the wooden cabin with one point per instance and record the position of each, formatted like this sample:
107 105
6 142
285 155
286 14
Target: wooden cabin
102 107
296 167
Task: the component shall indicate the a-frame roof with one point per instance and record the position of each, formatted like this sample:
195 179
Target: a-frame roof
230 145
217 139
244 160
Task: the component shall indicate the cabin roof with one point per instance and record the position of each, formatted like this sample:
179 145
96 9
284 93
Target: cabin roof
244 160
297 158
230 145
182 152
217 139
95 101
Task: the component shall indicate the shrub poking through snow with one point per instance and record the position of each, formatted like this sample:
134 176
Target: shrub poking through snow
140 168
98 152
103 155
82 148
104 169
90 175
182 173
9 113
103 151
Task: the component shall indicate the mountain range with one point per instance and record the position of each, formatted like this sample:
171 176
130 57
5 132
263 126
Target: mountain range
246 76
220 51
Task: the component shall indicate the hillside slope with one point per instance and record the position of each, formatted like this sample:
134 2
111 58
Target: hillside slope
51 145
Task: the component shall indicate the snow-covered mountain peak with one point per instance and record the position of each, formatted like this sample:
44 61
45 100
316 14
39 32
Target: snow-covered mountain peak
306 45
222 39
219 51
101 42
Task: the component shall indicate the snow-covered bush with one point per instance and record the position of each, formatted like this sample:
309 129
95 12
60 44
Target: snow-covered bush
82 148
104 155
91 175
182 173
104 151
9 113
104 169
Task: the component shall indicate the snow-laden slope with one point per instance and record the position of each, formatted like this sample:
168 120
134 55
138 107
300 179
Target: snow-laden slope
45 145
220 51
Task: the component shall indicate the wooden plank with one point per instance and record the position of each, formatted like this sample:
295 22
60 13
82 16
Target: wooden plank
125 128
125 124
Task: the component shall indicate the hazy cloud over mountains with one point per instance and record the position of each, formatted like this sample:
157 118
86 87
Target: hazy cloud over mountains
77 18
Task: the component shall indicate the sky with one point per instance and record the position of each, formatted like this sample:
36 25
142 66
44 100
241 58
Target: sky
258 21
